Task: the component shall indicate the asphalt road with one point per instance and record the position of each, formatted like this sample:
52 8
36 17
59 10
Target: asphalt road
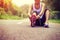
21 30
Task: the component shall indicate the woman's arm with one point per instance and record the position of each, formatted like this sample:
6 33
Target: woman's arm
30 11
42 11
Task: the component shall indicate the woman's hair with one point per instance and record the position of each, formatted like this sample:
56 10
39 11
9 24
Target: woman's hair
37 0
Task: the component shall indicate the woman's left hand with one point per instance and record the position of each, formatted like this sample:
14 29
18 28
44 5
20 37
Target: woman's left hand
37 16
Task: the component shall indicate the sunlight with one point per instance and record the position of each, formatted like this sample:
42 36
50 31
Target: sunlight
22 2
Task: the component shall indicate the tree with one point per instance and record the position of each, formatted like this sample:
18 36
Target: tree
54 5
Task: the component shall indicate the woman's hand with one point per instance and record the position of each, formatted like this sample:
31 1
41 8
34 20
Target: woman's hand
29 16
37 16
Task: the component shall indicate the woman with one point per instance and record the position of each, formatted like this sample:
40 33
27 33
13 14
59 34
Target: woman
38 14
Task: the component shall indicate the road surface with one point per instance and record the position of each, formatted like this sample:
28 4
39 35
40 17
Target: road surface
21 30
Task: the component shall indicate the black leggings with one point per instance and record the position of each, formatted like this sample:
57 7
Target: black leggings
40 22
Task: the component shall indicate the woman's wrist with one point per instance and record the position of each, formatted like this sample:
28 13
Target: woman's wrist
29 15
39 15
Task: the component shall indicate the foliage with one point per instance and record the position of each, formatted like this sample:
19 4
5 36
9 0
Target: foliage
7 15
54 20
54 15
53 4
22 10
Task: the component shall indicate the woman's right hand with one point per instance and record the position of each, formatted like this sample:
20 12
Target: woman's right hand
29 16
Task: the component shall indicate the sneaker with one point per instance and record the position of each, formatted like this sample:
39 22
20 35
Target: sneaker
46 26
33 20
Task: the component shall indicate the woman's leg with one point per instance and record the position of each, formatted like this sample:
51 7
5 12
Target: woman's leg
47 16
44 19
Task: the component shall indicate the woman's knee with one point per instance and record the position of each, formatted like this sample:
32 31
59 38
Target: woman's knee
34 13
47 12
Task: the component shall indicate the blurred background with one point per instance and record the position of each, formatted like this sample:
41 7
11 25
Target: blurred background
18 9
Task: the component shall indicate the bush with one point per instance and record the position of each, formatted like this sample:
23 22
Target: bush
7 16
55 21
54 15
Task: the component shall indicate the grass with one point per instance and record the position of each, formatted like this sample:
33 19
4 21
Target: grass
54 20
10 17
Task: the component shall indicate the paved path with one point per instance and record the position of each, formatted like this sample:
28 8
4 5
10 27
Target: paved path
21 30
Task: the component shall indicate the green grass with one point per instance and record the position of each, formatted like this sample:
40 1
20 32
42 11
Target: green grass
54 20
10 17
